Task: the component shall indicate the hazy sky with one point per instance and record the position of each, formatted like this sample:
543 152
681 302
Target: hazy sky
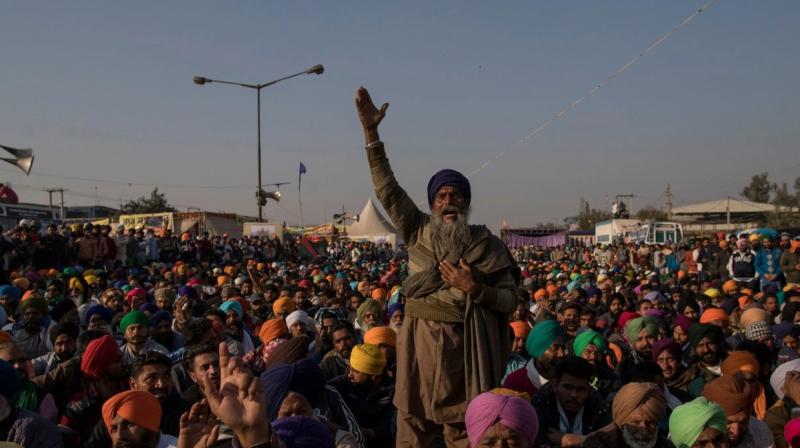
103 90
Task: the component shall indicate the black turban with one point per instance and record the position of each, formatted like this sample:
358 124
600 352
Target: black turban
449 178
699 331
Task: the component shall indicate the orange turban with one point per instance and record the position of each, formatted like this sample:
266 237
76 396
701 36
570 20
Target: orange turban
729 286
746 291
228 270
743 301
511 393
273 329
135 406
751 315
742 361
22 283
283 305
5 337
713 314
734 394
521 329
381 335
379 294
540 294
552 290
222 280
681 274
261 266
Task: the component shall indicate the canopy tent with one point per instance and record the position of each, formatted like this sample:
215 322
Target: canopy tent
372 226
739 210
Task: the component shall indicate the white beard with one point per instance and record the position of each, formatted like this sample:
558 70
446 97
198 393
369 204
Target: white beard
450 238
637 443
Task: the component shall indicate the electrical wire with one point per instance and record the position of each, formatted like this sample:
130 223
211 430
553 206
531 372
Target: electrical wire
602 84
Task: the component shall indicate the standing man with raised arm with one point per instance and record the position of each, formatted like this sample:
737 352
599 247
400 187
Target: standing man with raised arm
454 341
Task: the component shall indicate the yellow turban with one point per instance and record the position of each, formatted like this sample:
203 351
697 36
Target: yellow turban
74 283
367 358
712 292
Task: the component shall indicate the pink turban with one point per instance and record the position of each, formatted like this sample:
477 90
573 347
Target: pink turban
488 408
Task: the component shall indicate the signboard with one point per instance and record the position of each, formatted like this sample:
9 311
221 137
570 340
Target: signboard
155 221
261 229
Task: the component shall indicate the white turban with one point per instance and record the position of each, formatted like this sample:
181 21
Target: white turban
295 317
779 376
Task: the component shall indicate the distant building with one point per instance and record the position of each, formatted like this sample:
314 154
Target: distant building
90 212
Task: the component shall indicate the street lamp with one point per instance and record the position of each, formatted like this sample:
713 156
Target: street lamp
199 80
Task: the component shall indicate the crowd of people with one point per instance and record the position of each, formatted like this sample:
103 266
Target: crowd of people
115 337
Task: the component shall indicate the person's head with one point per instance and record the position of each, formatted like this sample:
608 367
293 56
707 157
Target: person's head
300 298
495 420
644 306
546 344
636 411
735 395
233 314
113 299
135 326
642 334
12 354
64 337
342 338
616 304
295 404
520 332
203 361
572 382
590 346
699 423
569 316
384 338
667 354
366 365
297 322
151 373
706 340
449 197
33 309
132 419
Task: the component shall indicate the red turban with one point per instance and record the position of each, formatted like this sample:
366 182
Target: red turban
135 406
98 357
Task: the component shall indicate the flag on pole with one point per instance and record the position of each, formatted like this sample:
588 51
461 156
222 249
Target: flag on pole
302 168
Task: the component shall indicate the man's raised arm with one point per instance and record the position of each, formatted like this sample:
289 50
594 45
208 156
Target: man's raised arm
405 215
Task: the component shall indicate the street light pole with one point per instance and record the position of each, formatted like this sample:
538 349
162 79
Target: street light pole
258 191
199 80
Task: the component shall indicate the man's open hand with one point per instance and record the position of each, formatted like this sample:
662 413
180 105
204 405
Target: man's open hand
369 115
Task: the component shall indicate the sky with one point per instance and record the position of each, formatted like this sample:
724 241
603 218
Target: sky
103 93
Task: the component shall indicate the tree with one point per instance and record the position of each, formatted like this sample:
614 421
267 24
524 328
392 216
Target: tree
651 213
783 198
587 217
156 203
758 189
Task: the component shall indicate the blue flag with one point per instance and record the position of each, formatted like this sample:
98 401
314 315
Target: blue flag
302 168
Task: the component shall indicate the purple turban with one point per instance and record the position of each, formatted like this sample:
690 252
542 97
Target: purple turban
449 178
667 345
488 408
304 377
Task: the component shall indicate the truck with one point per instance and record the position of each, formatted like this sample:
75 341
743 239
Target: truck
617 231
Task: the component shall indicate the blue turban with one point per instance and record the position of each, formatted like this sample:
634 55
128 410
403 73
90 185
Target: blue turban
104 313
299 431
9 381
187 291
394 307
232 305
120 283
160 316
304 377
11 291
148 307
542 337
449 178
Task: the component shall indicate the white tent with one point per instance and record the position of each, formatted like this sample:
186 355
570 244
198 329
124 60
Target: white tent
372 226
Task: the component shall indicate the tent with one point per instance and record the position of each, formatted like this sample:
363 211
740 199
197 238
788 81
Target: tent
372 226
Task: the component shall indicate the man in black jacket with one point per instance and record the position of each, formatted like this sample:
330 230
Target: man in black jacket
568 407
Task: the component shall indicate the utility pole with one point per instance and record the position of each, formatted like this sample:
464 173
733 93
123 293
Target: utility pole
669 202
50 192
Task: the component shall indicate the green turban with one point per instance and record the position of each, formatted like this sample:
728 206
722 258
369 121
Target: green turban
586 338
369 305
134 317
690 419
35 302
542 337
70 272
635 326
